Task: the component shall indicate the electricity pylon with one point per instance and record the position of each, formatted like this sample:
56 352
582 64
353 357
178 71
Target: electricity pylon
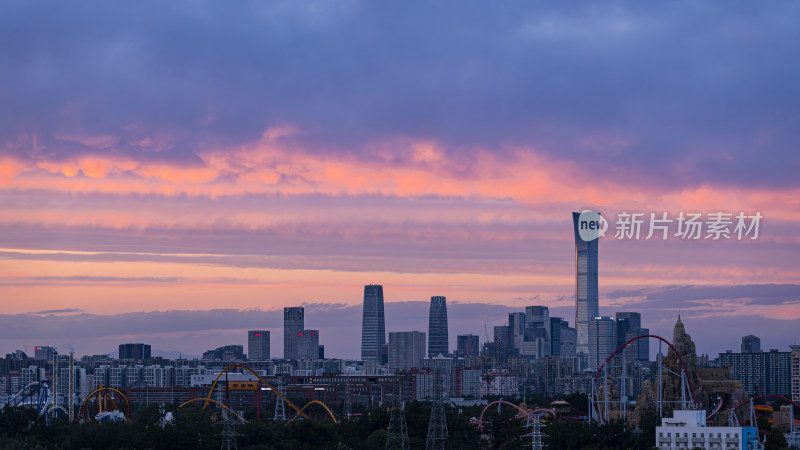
437 425
397 435
280 407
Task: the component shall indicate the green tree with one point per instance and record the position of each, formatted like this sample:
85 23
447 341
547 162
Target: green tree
776 441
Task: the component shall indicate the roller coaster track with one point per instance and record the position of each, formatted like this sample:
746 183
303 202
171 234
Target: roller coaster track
262 380
652 336
780 397
314 402
523 412
40 399
21 393
201 399
649 336
717 409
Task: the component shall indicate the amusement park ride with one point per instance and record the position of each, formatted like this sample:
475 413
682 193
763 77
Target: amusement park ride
599 408
38 395
43 395
299 412
106 404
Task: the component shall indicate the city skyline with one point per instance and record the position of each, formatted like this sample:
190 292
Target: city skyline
469 318
354 224
145 178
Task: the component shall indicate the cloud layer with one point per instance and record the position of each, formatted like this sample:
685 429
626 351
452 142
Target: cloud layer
198 156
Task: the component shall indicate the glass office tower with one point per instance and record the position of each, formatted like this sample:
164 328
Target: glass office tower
437 327
373 324
586 292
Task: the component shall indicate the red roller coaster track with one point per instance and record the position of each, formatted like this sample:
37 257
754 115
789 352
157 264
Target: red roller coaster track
764 396
653 336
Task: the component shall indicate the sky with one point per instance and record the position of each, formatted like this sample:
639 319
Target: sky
178 173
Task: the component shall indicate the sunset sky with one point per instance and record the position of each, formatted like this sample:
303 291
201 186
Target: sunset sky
176 173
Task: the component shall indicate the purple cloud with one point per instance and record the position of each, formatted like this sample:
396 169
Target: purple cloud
581 82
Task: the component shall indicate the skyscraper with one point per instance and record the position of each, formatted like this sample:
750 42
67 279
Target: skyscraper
308 344
467 345
502 342
586 292
638 349
134 351
406 350
437 327
602 340
538 331
516 324
45 353
258 345
627 321
293 325
562 338
373 324
751 344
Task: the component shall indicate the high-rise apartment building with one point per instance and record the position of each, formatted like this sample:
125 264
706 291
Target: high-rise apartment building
373 324
751 344
293 325
308 344
502 340
761 373
406 350
602 340
586 291
467 345
134 351
795 372
258 345
438 343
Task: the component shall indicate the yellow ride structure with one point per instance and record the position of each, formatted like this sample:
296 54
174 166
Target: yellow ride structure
300 411
103 396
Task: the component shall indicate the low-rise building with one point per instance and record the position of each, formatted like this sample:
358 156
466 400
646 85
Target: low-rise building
687 429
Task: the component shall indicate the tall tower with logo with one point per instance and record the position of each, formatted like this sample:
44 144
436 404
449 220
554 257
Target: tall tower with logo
586 291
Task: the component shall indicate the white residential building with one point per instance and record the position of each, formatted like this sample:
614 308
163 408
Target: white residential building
687 429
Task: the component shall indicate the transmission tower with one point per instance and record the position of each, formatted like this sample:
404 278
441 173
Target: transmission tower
348 400
535 434
280 407
229 433
397 436
437 425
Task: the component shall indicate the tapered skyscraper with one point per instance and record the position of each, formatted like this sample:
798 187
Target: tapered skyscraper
437 327
586 292
373 324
